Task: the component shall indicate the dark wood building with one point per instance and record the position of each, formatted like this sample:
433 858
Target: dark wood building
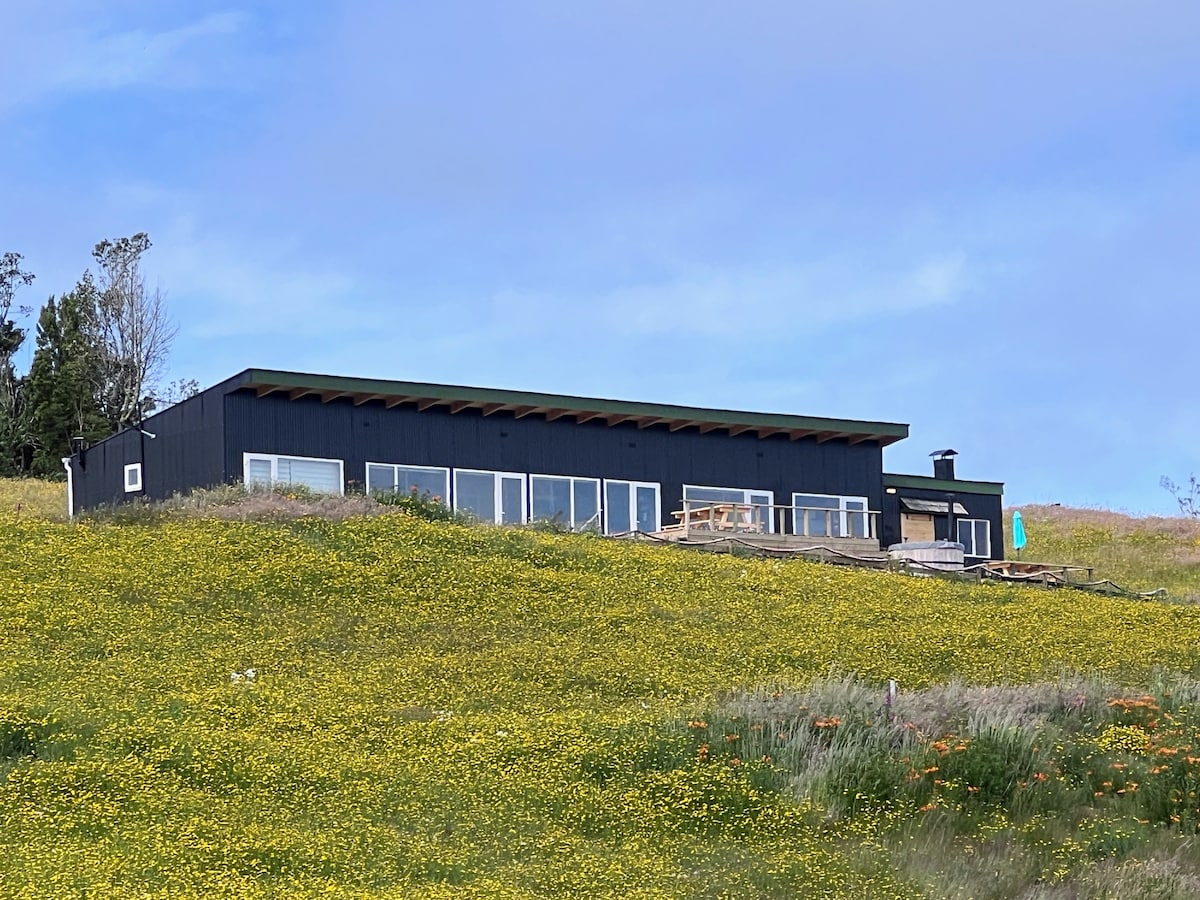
942 507
503 456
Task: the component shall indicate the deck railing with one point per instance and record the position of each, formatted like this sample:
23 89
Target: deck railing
772 518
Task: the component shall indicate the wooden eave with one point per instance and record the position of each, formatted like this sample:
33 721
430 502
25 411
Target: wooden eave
551 407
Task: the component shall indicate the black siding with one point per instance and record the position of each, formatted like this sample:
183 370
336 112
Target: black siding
186 453
980 506
372 433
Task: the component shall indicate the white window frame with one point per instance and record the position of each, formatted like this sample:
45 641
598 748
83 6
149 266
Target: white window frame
442 470
967 551
498 488
746 492
274 458
571 479
133 469
842 511
632 487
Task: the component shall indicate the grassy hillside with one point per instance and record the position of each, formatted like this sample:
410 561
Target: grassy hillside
387 707
1142 553
33 498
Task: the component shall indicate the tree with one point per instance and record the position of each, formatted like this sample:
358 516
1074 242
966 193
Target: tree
12 413
133 332
175 392
1187 496
61 389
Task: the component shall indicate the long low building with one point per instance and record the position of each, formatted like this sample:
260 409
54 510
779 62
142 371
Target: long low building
512 457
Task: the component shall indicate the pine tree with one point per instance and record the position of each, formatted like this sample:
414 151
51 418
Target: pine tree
13 417
64 379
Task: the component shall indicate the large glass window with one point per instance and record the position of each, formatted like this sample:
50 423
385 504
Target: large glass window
758 514
631 506
976 537
497 497
321 475
571 502
826 515
424 481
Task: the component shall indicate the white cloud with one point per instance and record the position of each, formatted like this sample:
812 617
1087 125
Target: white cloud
262 288
44 60
793 301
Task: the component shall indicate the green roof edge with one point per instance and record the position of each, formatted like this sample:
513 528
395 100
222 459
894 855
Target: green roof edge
943 484
852 427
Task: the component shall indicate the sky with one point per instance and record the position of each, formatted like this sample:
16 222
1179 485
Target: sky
977 219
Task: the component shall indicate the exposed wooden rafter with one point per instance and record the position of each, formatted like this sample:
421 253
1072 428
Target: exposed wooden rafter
263 389
680 424
580 418
552 414
650 422
735 430
458 406
489 408
827 436
427 402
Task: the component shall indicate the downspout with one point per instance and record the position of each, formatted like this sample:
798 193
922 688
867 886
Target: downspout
66 461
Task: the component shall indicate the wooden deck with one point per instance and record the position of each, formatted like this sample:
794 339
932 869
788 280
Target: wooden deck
775 544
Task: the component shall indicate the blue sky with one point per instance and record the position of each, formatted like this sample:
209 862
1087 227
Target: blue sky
980 219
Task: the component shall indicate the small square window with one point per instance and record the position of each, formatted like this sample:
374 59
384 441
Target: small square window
133 478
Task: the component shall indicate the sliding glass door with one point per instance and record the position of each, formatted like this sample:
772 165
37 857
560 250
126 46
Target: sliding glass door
825 515
631 506
497 497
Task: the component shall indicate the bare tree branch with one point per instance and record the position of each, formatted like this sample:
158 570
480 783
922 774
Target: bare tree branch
134 330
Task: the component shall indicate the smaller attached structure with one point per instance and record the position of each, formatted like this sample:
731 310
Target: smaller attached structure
941 507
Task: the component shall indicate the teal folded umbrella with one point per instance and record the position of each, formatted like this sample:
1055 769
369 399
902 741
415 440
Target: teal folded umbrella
1018 529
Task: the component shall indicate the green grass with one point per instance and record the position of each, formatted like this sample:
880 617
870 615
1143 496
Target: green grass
446 711
33 498
1139 553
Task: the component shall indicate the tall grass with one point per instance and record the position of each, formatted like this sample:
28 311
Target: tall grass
33 498
1041 790
1140 553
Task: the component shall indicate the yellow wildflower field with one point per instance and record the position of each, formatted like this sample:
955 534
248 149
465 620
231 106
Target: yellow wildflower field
388 707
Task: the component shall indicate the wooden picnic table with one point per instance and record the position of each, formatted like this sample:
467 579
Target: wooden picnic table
1022 568
717 517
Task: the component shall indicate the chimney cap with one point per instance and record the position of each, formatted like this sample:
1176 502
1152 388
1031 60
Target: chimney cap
944 454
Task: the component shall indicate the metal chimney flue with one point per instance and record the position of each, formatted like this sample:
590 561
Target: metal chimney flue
943 464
